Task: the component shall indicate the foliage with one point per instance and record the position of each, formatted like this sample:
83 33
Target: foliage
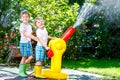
102 36
8 25
80 2
8 13
8 41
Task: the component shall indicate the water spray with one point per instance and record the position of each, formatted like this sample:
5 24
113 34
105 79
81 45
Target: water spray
85 12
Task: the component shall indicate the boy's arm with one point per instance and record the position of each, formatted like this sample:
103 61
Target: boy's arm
35 38
49 37
43 43
29 36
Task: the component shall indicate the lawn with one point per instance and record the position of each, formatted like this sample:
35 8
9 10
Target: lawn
105 67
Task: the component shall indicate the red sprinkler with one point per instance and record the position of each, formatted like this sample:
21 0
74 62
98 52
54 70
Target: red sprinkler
68 33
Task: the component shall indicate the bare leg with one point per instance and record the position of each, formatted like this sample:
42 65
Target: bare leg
38 63
29 59
23 60
22 68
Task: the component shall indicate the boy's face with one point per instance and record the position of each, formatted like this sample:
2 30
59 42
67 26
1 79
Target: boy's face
25 18
40 23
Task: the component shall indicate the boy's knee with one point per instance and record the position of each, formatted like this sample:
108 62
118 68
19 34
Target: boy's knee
31 57
24 58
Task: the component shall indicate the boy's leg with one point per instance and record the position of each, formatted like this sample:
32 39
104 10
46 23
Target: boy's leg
29 59
22 70
38 70
27 63
23 60
39 58
22 67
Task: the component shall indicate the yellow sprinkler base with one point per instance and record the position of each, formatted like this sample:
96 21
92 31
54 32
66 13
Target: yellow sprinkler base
52 75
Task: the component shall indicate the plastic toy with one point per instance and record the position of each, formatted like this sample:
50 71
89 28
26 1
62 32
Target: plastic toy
57 48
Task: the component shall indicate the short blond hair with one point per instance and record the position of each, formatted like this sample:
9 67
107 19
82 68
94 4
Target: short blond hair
38 18
24 12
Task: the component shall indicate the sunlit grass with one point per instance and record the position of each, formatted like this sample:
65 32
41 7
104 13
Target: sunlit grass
103 67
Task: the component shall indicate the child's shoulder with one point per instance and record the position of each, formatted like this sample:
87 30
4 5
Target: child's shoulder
21 25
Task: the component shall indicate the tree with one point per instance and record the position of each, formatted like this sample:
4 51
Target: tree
9 10
80 2
8 13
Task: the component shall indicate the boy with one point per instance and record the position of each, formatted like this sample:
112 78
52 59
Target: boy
43 36
25 44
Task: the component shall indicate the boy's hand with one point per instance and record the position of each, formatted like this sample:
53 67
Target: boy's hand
47 48
54 38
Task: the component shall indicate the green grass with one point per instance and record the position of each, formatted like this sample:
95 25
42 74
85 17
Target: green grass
103 67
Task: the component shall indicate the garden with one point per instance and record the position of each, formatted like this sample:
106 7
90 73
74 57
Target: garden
94 47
